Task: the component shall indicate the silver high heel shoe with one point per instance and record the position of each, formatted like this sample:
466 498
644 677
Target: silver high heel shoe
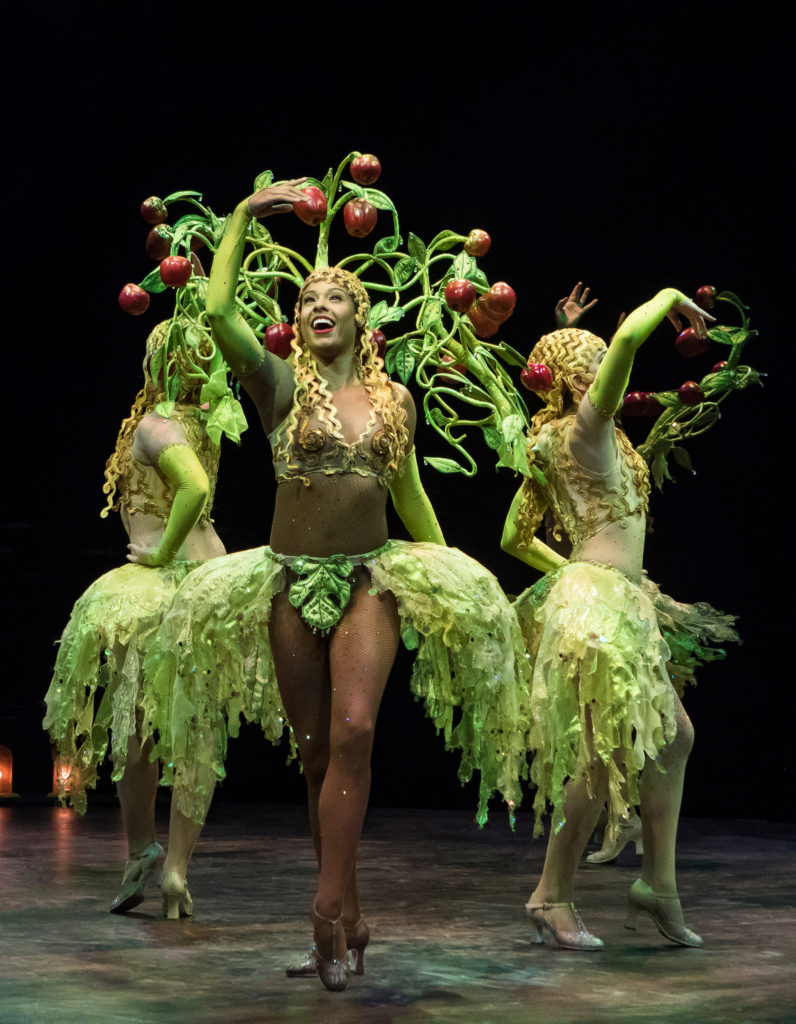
575 937
357 937
664 911
137 872
177 900
629 832
331 953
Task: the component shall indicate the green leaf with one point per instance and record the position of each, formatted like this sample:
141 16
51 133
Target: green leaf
263 180
682 458
381 313
182 195
493 437
326 184
511 428
431 312
379 199
444 465
351 186
405 269
400 360
386 246
153 282
721 335
445 240
510 355
417 248
668 399
464 266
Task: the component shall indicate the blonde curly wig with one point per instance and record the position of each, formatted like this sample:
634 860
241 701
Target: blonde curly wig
180 368
311 390
566 353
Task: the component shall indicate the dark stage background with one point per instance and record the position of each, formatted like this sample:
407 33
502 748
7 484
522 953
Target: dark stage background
628 150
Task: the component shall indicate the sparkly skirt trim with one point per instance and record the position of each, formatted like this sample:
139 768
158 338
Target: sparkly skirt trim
604 653
95 695
213 650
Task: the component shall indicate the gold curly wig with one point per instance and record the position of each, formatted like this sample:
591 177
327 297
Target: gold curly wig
311 390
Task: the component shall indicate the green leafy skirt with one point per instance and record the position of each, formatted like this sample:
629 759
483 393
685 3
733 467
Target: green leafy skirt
96 691
213 655
605 654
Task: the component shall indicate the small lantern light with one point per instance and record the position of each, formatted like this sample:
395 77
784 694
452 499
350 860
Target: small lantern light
64 775
6 773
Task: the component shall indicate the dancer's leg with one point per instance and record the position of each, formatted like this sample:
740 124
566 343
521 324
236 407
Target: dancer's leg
137 789
361 654
661 795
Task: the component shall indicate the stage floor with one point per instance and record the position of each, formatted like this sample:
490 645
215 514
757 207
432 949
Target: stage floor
450 941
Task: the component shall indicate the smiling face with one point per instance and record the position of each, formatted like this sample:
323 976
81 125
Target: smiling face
327 318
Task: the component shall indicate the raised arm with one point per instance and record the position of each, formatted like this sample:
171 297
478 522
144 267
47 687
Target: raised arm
268 379
410 500
610 383
535 553
162 443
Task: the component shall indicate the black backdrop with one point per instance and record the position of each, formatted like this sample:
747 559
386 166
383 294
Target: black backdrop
631 150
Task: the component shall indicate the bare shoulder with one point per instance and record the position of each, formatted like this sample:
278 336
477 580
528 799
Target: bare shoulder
404 396
153 434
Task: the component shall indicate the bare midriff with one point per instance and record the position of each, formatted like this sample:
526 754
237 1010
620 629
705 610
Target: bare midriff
619 544
337 514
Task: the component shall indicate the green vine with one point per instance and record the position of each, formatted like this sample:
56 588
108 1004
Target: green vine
678 421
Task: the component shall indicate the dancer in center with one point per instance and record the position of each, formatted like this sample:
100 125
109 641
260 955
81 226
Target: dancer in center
332 593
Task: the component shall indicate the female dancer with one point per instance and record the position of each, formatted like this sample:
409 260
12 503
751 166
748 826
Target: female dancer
161 477
331 592
606 721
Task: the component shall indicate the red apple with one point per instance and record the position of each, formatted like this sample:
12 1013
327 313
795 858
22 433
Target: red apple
460 295
134 299
175 271
365 169
690 393
483 325
478 243
537 377
278 338
641 403
158 242
313 211
154 210
706 297
719 366
498 302
359 217
379 343
689 344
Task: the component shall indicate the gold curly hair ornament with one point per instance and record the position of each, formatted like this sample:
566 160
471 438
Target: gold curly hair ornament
177 363
567 353
312 392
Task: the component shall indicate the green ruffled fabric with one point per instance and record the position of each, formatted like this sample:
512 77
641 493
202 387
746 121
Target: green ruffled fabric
101 649
594 643
214 647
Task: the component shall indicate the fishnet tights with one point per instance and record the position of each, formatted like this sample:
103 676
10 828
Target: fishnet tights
331 688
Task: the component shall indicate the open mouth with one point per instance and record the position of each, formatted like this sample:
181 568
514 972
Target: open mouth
322 325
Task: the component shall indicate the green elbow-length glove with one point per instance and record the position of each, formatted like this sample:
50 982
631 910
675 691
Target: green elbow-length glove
608 390
242 351
412 504
184 471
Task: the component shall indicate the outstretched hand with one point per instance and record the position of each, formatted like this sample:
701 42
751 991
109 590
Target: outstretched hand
570 309
696 317
276 198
